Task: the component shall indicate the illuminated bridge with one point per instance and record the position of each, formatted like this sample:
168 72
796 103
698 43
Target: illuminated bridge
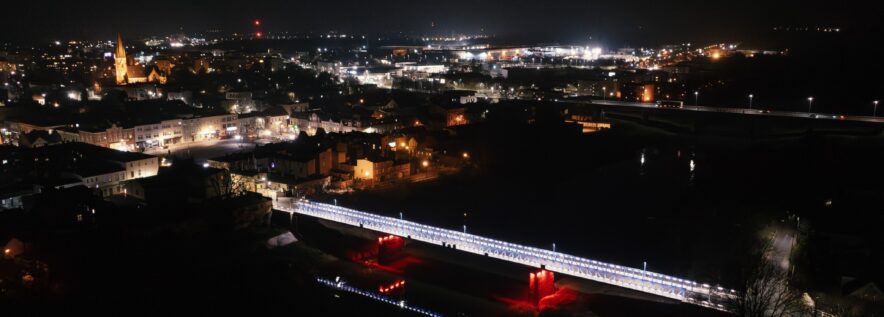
632 278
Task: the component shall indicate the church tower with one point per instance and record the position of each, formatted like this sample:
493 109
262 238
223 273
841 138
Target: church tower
120 61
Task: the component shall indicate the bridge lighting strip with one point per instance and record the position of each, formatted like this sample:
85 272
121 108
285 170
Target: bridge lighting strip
342 286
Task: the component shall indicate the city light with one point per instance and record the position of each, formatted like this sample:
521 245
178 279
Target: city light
293 125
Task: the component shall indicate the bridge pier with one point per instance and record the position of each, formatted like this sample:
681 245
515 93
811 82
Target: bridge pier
541 284
390 249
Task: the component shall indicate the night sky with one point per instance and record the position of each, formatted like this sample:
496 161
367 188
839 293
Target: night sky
620 22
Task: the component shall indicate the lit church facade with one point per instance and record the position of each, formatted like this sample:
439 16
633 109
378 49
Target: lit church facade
130 72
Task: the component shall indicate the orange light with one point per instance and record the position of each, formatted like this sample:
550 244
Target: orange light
257 22
7 251
259 34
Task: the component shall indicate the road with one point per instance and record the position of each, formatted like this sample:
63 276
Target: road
204 150
753 112
780 252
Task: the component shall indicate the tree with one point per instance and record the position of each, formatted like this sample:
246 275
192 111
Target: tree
767 290
221 184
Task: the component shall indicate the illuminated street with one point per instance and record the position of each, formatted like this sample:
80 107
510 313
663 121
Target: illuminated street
204 150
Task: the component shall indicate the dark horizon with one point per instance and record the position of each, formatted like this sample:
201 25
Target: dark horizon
640 22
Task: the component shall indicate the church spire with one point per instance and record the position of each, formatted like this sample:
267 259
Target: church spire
121 51
120 62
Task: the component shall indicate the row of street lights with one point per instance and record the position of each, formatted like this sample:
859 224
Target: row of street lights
809 103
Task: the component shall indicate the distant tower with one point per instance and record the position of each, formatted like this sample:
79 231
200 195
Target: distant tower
120 61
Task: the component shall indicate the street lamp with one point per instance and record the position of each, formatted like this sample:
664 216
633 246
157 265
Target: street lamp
554 247
809 103
875 111
697 99
604 93
751 96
